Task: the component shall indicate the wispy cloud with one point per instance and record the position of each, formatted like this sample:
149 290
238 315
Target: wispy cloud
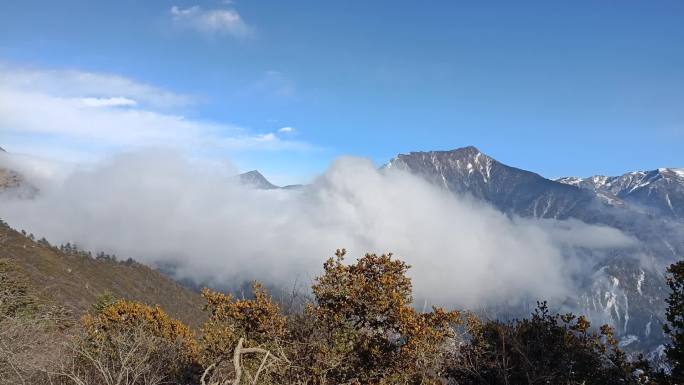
108 102
212 21
286 129
79 112
84 84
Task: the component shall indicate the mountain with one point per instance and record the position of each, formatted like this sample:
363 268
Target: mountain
73 279
467 170
255 179
515 191
660 192
624 287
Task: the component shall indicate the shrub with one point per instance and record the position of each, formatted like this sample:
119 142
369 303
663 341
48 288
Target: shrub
544 349
238 328
129 343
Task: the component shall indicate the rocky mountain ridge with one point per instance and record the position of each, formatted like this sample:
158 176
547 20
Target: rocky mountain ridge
660 191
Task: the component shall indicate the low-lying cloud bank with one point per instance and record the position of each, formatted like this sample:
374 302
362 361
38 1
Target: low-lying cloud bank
160 208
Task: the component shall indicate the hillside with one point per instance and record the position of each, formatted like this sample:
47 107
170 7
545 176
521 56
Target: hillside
75 280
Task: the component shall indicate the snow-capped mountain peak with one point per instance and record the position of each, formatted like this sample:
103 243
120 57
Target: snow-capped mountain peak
660 190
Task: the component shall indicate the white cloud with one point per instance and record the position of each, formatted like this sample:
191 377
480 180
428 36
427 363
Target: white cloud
108 102
212 21
267 137
286 129
463 252
82 112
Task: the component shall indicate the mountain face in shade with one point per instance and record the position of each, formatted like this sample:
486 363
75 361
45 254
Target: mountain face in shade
255 179
617 287
659 192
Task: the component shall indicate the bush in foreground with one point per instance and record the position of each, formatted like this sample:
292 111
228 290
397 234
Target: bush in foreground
358 328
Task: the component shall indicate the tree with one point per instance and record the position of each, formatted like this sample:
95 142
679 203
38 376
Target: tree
674 314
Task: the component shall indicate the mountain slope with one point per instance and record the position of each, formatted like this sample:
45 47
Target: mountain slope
75 280
255 179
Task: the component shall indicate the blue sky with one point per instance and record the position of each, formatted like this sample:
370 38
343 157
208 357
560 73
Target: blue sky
560 88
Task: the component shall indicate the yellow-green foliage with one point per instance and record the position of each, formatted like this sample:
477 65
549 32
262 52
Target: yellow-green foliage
124 314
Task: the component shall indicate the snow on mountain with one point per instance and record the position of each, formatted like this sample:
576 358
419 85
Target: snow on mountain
658 191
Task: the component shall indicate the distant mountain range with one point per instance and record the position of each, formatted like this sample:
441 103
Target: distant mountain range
660 192
467 170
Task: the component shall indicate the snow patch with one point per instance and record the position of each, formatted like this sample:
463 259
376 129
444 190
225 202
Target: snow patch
616 281
629 339
640 281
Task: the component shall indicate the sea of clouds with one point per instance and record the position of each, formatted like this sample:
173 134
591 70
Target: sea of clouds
163 208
